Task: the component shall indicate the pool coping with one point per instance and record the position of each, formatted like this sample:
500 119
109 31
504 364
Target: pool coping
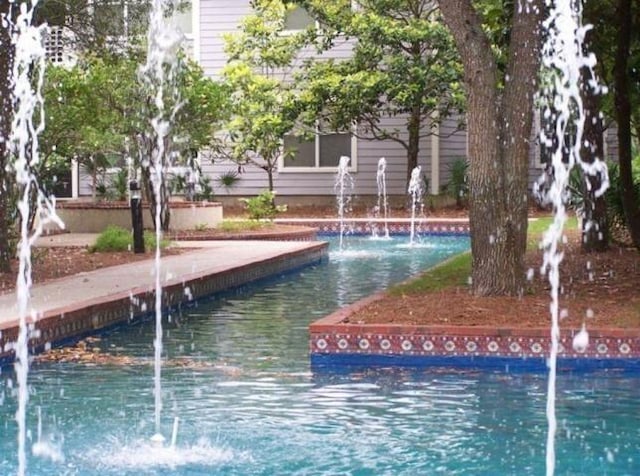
334 344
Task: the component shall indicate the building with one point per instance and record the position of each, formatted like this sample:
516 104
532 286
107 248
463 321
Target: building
311 177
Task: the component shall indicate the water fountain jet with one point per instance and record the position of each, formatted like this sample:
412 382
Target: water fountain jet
158 75
415 193
343 187
382 206
27 123
563 56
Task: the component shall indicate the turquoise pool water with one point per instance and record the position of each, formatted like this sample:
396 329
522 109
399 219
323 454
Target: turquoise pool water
237 376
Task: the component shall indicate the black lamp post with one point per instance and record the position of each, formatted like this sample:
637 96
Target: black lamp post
136 217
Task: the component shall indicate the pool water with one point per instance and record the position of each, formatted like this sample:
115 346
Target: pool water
237 377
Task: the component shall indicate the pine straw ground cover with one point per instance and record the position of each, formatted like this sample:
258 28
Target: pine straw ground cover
598 289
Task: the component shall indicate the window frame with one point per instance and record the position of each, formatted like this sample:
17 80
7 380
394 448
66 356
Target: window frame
126 19
353 164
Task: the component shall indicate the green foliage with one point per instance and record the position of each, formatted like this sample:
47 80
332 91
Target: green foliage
205 190
457 187
613 196
116 238
603 42
263 206
404 64
452 272
97 110
235 226
120 184
265 103
51 173
229 179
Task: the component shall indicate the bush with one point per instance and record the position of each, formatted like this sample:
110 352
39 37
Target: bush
263 206
613 195
116 238
457 186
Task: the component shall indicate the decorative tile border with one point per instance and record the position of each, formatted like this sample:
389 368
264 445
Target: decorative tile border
330 337
96 315
364 226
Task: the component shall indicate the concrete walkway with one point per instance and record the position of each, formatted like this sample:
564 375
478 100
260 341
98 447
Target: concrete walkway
213 266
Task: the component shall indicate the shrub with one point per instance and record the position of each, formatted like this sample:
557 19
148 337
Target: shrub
116 238
263 206
120 184
457 186
613 196
229 179
205 190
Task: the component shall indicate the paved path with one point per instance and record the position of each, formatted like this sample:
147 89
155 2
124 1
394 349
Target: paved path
212 258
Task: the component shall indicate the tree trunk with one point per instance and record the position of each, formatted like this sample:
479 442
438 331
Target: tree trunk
499 130
414 142
6 116
623 120
595 227
269 170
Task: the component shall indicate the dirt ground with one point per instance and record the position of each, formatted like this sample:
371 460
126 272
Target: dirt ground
599 289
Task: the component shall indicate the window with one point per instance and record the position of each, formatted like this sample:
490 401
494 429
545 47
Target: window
54 45
322 152
121 18
297 18
183 19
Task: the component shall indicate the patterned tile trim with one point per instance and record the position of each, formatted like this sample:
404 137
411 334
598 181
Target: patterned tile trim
396 227
422 343
331 336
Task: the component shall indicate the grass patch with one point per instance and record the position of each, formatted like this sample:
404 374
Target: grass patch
456 271
453 272
237 226
115 238
538 227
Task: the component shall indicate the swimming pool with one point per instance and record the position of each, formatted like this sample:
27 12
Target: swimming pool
237 376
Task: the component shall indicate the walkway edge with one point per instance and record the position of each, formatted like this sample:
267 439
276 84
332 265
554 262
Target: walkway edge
90 316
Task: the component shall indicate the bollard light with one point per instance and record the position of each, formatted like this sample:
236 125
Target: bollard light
136 217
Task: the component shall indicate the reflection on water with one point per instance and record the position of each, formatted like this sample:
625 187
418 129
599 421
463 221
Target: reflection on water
237 376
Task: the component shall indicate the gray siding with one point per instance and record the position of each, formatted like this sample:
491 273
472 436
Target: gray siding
321 182
217 18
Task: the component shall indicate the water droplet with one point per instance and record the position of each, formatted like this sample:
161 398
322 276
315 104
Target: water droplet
530 274
609 455
581 340
589 313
